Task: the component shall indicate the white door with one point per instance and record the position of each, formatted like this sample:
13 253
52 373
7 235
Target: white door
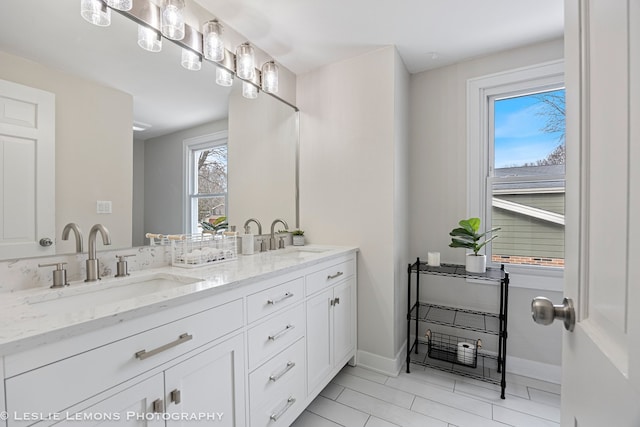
208 389
137 406
319 338
344 318
27 177
601 357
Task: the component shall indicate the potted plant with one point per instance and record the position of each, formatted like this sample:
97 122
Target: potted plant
466 236
298 237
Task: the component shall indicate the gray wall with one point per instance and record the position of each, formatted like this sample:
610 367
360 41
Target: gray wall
438 200
164 178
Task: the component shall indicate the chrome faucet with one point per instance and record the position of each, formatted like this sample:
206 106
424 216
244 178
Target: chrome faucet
93 272
272 240
76 231
246 225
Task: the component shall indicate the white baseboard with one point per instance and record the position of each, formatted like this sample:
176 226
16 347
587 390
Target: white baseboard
515 365
533 369
383 365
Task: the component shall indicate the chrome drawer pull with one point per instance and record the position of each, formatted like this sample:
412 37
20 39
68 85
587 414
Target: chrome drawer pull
275 301
144 354
338 274
281 333
176 396
157 405
277 376
290 401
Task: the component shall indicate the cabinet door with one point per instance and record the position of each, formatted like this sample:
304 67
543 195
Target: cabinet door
133 407
319 346
344 320
208 389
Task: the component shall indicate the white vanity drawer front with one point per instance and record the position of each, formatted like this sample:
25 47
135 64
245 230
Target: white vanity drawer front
59 385
275 334
329 276
271 300
281 408
273 377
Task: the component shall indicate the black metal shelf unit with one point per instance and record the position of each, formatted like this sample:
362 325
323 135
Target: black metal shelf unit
441 349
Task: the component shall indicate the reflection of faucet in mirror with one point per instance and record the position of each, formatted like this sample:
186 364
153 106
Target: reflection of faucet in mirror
76 231
246 226
272 240
93 273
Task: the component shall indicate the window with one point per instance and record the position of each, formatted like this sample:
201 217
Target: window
206 162
526 178
516 164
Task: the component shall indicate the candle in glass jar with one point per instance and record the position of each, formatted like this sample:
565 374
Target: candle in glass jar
433 259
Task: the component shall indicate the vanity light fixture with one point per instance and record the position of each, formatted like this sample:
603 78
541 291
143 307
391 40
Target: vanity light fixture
149 39
224 77
96 12
172 19
270 77
191 60
213 42
123 5
245 61
249 90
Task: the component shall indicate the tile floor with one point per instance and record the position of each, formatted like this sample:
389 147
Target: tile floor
361 398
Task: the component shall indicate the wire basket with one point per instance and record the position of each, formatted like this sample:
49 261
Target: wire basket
450 348
197 250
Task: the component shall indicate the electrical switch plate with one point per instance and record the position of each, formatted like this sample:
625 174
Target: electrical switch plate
103 206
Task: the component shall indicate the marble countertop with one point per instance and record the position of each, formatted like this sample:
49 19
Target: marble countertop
32 317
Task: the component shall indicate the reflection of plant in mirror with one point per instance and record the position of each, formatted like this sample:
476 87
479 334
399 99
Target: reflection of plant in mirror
298 232
217 225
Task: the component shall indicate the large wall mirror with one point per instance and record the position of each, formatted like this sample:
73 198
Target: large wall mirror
103 83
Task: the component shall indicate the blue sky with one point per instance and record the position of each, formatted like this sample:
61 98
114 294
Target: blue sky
518 138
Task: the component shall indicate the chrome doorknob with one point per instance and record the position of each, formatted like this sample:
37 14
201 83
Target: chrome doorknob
544 312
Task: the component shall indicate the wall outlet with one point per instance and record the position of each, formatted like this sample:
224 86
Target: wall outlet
103 207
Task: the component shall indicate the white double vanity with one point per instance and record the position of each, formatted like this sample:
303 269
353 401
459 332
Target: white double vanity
249 342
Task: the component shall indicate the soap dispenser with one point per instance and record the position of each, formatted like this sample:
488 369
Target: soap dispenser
247 242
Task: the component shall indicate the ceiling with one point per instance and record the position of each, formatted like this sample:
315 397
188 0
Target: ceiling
306 34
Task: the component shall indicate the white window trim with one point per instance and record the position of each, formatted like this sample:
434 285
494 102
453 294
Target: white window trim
479 90
188 146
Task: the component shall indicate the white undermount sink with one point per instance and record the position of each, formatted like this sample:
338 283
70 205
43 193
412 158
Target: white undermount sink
86 295
298 251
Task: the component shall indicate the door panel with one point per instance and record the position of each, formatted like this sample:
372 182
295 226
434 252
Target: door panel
27 177
343 320
601 360
319 345
208 389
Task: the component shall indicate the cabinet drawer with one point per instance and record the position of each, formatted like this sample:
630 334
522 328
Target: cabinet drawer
273 377
59 385
329 276
271 300
276 334
281 408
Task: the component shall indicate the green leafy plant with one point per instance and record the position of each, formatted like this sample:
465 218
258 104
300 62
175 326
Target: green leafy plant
218 225
466 236
298 232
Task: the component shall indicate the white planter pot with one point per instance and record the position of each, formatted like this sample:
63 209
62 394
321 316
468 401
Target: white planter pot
476 263
298 240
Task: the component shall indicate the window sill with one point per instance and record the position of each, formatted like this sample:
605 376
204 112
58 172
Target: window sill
535 278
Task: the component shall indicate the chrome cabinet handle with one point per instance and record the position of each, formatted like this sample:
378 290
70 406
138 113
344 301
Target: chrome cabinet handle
290 401
176 396
281 333
276 377
333 276
282 298
144 354
158 406
334 302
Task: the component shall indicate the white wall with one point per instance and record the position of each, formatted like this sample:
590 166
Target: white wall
137 233
163 178
351 160
93 149
262 161
438 185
